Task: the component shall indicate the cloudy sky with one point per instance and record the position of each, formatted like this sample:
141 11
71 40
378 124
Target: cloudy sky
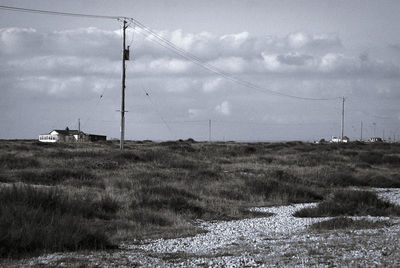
54 70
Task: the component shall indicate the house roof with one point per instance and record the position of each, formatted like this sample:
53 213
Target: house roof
66 132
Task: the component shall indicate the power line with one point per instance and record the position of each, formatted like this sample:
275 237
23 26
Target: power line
158 112
169 45
56 13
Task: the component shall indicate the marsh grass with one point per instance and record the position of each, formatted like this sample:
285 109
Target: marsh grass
349 224
60 176
12 161
351 203
46 219
158 189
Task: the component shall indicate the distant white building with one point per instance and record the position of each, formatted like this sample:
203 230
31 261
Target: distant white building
68 135
338 140
375 139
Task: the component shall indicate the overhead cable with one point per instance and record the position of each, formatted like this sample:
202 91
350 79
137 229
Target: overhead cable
171 46
47 12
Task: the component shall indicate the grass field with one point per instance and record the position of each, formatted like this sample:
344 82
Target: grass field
57 197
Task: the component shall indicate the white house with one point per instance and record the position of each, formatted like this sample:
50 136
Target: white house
68 135
337 140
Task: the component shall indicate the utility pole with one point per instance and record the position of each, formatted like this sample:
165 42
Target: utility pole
79 129
374 124
125 56
342 119
383 134
209 130
361 131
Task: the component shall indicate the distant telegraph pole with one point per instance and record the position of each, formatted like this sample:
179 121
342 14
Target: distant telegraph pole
342 118
361 131
79 129
374 125
125 56
209 130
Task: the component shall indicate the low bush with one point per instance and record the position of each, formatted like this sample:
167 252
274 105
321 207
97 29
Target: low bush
171 198
11 161
32 220
72 177
345 179
348 223
376 180
391 159
372 158
349 153
288 191
154 217
351 203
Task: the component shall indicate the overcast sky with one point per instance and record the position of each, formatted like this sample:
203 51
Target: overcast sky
54 70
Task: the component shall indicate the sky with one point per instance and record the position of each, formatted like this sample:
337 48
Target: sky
55 70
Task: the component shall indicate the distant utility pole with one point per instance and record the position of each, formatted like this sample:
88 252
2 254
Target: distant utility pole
209 130
342 118
125 56
374 124
361 131
79 129
383 134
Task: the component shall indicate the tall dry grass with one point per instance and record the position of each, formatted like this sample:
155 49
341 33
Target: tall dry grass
157 189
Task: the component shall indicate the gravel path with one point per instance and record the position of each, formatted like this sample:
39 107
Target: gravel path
279 240
223 234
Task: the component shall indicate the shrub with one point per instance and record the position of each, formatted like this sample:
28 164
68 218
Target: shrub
147 216
351 203
269 188
32 220
106 164
171 198
11 161
345 179
348 223
374 180
371 157
266 159
391 159
349 153
77 178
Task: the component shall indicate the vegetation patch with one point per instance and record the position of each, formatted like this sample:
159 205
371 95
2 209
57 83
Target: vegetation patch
12 161
351 203
163 187
72 177
32 220
348 223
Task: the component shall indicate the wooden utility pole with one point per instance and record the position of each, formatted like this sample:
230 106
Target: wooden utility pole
125 56
79 129
209 130
361 131
374 124
342 119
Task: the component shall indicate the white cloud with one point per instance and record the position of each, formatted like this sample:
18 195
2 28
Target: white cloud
193 113
224 108
213 84
80 64
298 40
166 65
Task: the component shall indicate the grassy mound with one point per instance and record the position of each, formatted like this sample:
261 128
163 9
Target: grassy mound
347 223
351 203
39 219
162 187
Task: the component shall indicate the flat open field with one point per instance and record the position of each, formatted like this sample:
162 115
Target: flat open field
188 203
